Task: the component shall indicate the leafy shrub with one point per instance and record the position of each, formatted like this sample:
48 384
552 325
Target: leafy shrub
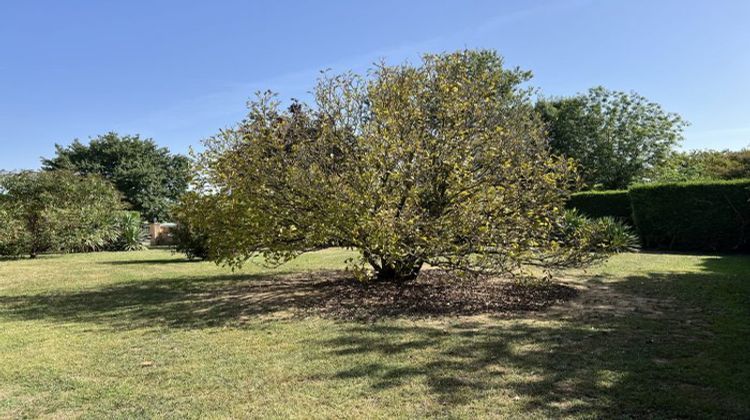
613 236
601 236
706 216
589 240
595 204
190 241
190 236
56 211
13 236
130 233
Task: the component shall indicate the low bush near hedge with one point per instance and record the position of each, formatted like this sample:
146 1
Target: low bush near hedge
712 216
597 204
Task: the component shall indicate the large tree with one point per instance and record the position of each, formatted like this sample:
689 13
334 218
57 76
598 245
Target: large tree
150 178
445 164
55 211
617 138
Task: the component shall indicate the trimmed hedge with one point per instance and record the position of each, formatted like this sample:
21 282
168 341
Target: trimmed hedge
705 216
596 204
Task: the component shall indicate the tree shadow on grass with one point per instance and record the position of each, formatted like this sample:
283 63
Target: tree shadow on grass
25 257
152 261
651 346
524 369
184 302
233 300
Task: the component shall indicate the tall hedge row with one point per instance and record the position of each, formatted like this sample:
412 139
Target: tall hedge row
712 216
690 216
614 203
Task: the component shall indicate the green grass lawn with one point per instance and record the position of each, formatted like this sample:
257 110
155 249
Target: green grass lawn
145 334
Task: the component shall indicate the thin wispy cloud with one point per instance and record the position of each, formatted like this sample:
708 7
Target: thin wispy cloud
228 105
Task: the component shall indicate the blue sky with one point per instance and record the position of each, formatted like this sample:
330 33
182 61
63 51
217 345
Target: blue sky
179 71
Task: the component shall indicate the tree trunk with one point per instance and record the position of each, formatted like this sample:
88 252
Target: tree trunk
397 271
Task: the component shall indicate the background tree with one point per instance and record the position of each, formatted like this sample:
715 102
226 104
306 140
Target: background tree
705 165
55 211
149 177
738 166
445 164
617 138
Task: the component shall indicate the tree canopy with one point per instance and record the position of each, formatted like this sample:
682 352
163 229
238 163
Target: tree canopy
444 163
150 178
617 138
705 165
55 211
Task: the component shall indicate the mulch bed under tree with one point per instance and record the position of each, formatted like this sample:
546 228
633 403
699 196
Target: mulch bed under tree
434 293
